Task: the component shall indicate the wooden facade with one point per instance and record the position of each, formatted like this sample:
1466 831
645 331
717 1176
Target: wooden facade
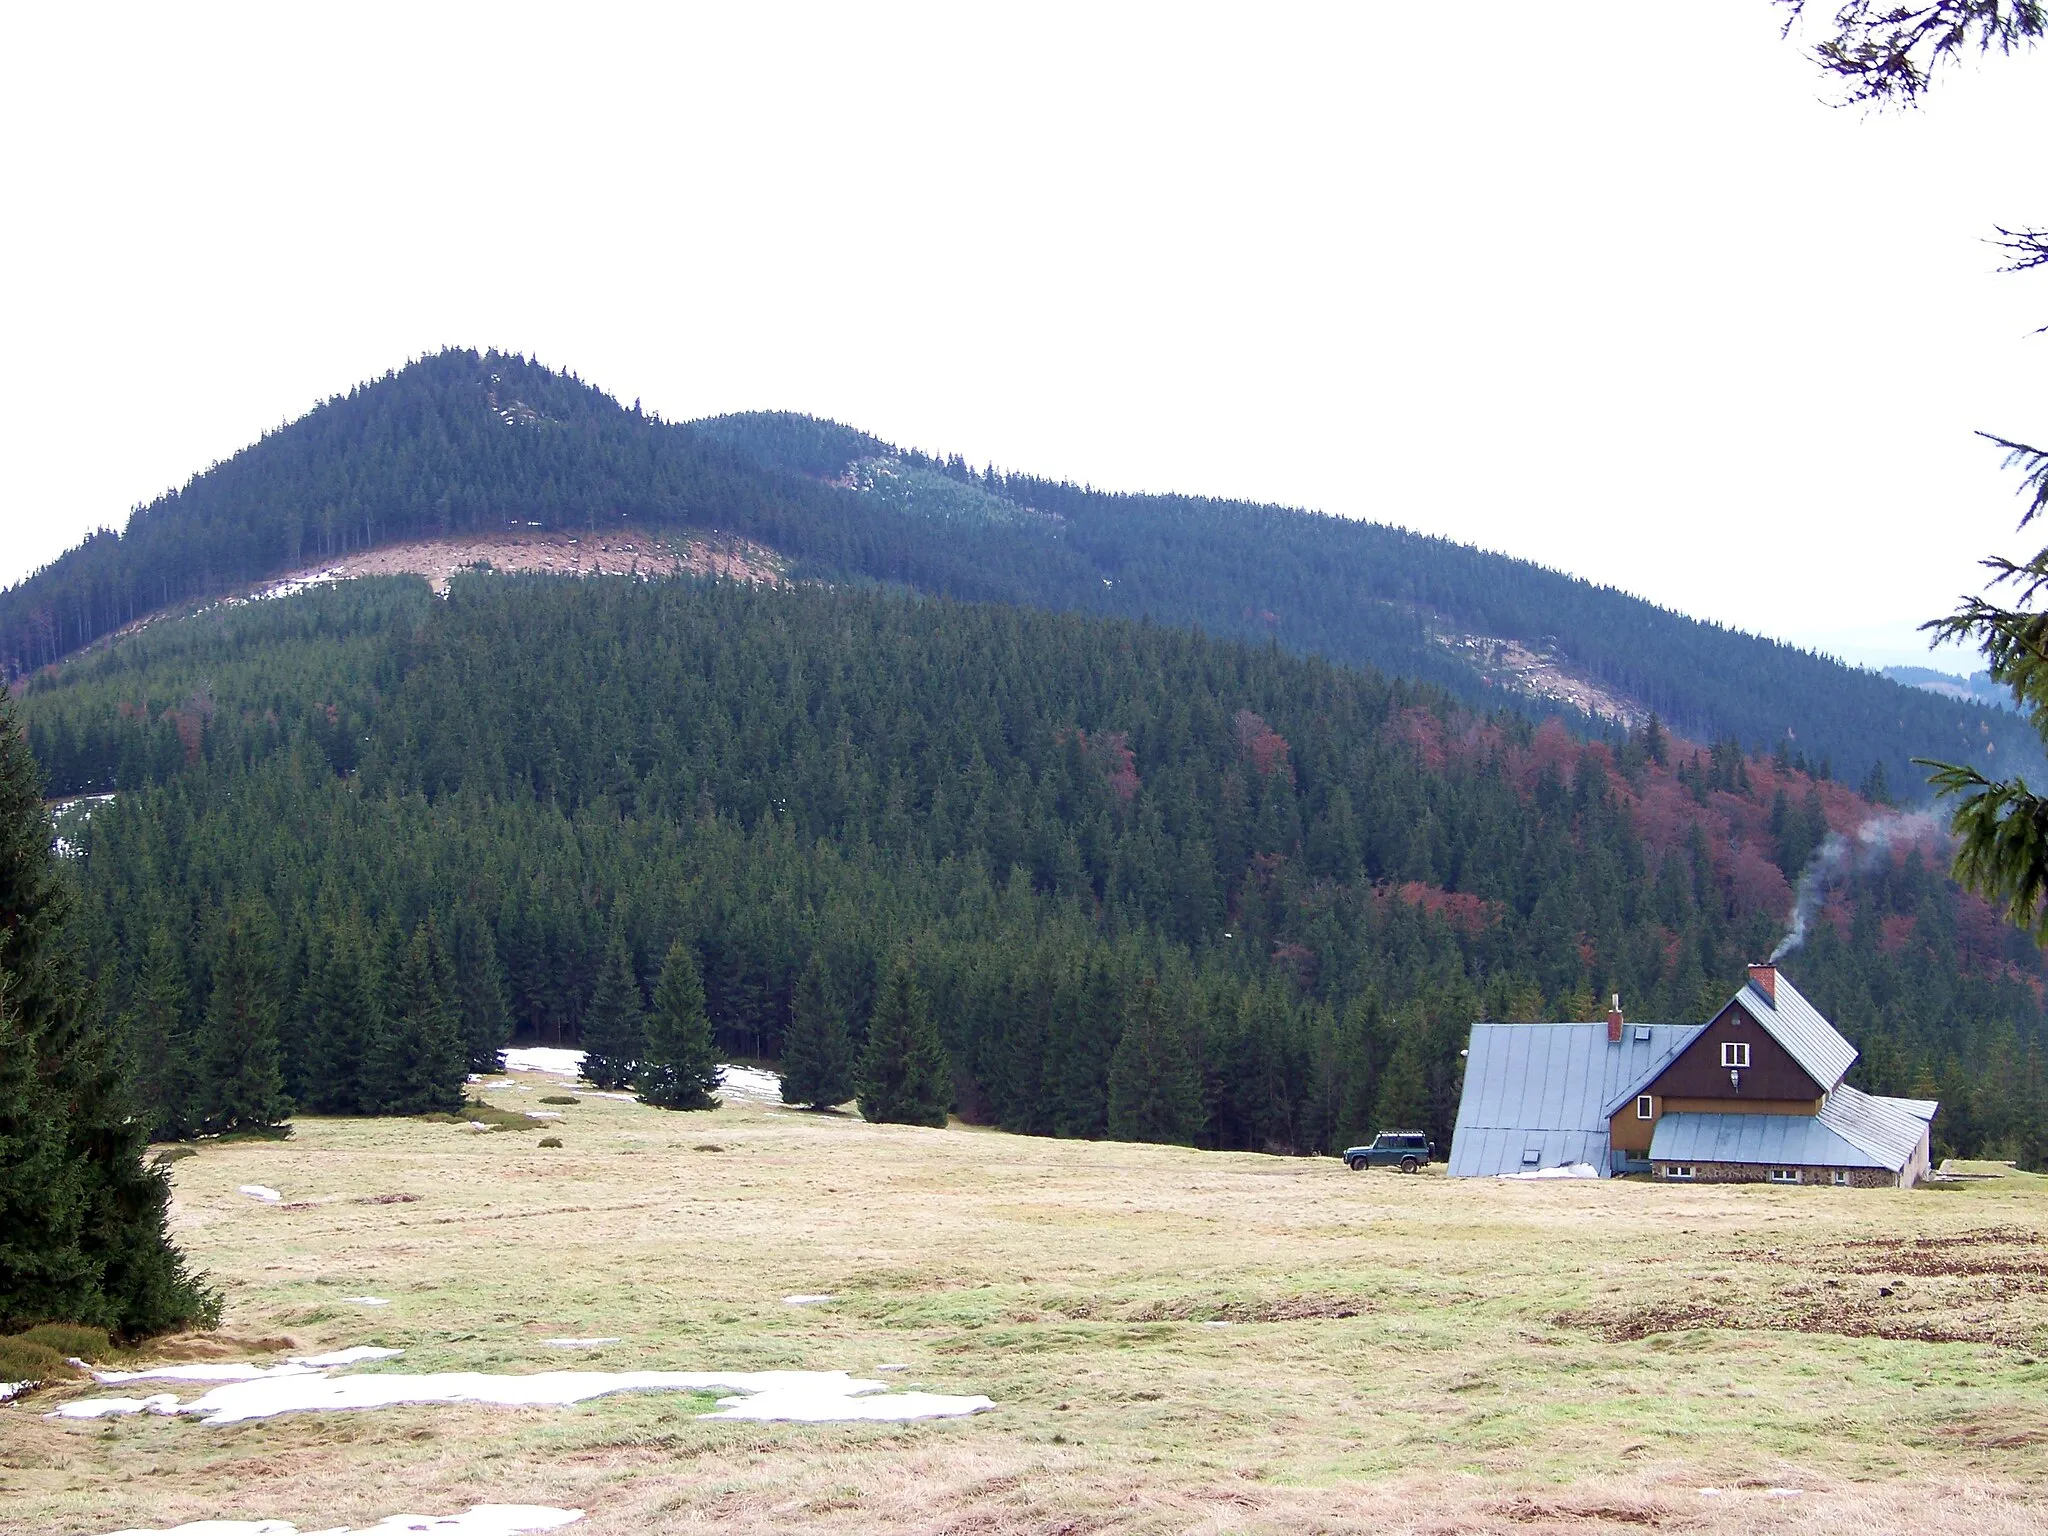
1772 1074
1772 1084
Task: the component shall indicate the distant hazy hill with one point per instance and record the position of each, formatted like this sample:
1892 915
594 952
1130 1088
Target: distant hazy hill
465 442
1977 688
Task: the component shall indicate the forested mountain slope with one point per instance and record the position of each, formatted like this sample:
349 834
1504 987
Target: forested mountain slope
459 442
318 802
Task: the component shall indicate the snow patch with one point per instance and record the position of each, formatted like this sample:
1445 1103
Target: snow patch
478 1520
243 1370
750 1083
10 1388
1567 1171
366 1301
577 1343
810 1397
261 1192
559 1061
806 1301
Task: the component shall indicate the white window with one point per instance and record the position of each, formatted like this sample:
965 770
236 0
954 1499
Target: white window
1734 1053
1839 1176
1646 1108
1678 1170
1784 1175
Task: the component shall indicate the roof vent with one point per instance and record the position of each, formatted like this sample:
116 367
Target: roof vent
1531 1157
1642 1034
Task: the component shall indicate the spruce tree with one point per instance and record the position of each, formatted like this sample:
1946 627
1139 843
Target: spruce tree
1155 1085
817 1054
82 1220
162 1043
480 992
416 1065
1077 1058
614 1034
904 1077
678 1066
338 1013
238 1047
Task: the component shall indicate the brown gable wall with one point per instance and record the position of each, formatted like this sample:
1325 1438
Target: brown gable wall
1771 1074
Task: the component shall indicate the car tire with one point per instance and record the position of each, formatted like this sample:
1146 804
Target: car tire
1354 1163
1409 1165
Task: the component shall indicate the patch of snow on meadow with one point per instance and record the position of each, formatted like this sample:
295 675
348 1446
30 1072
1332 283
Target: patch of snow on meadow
479 1520
810 1397
751 1083
577 1343
1567 1171
9 1388
366 1301
556 1060
806 1301
243 1370
261 1192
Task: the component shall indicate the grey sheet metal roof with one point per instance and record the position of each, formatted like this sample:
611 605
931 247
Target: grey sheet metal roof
1799 1027
1780 1141
1536 1094
1890 1130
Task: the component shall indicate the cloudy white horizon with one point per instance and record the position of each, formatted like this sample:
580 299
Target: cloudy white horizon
1611 287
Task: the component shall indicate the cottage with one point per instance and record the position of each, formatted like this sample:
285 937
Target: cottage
1753 1095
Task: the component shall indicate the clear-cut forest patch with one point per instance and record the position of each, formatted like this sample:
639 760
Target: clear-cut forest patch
622 551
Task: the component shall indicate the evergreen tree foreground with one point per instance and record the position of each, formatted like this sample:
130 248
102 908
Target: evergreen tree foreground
817 1053
678 1067
904 1079
83 1221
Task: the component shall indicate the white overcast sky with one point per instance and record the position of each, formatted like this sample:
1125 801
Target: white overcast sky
1607 285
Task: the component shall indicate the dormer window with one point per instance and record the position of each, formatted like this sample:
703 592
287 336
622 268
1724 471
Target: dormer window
1734 1053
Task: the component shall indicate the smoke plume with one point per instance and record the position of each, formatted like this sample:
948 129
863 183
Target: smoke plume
1838 856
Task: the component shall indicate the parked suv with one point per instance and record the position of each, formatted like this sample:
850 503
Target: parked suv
1405 1150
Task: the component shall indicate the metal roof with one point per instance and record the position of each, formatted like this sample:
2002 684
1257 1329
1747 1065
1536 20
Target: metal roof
1798 1026
1778 1141
1890 1130
1852 1130
1535 1094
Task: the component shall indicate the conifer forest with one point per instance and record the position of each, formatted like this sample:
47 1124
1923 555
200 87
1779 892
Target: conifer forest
1067 874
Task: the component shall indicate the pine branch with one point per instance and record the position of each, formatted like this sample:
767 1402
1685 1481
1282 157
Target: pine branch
1889 53
2029 248
2002 849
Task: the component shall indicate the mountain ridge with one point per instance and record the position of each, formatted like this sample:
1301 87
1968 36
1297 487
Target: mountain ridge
460 442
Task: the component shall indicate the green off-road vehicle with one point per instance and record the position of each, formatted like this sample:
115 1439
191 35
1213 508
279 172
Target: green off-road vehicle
1405 1150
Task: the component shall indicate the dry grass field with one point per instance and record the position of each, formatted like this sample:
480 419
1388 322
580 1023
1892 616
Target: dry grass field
1401 1353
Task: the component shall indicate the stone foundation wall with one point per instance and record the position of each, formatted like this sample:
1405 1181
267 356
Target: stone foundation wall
1760 1173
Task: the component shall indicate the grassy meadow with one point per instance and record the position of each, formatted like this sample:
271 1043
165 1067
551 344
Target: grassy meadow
1396 1353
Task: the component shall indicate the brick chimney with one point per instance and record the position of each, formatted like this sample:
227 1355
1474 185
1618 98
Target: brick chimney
1614 1021
1765 979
